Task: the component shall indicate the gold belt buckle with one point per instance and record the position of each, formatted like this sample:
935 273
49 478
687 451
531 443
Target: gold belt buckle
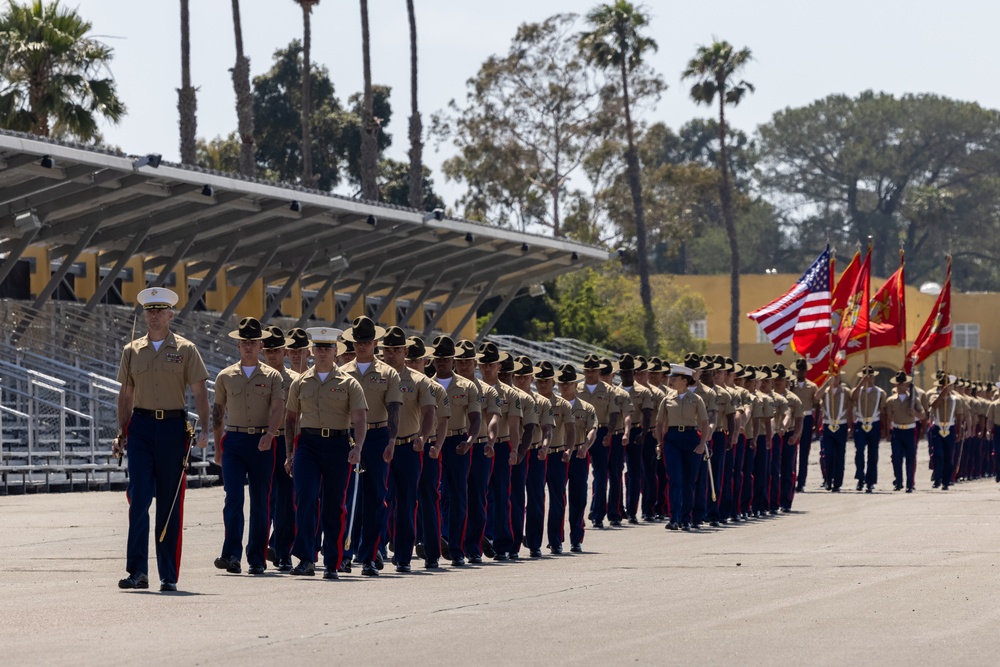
866 426
252 430
324 433
681 428
945 431
834 427
157 414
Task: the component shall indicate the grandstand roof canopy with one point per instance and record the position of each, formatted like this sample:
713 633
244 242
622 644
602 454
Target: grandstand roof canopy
88 199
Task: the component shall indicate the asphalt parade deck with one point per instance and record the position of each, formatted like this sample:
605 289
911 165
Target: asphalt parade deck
888 578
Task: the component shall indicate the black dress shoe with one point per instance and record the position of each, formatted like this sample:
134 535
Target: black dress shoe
256 569
445 549
535 553
500 557
379 563
168 587
557 549
632 520
686 527
402 569
284 565
330 574
431 564
476 560
369 570
458 562
598 524
616 524
869 488
861 485
576 548
304 569
936 485
230 565
345 567
488 548
673 525
138 580
419 550
799 488
272 556
513 555
835 489
713 524
909 489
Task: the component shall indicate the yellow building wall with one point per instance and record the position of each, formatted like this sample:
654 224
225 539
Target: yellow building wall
42 271
85 286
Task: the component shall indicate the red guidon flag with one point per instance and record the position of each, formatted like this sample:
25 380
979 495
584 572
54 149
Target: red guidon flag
801 313
887 312
936 332
820 362
854 324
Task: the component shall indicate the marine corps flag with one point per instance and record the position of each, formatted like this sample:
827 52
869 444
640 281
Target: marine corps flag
887 312
854 323
936 332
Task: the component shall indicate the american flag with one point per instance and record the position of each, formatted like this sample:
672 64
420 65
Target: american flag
801 313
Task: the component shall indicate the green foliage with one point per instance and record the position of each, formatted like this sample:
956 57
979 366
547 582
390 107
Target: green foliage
395 189
54 79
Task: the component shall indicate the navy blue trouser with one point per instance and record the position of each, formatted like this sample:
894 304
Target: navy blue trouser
761 472
244 464
774 480
718 461
282 504
996 452
480 469
320 465
805 444
862 441
534 521
370 514
904 455
429 506
556 472
579 470
650 484
731 491
835 448
944 447
156 450
406 465
600 457
499 501
746 496
789 453
518 491
455 469
634 478
682 470
616 472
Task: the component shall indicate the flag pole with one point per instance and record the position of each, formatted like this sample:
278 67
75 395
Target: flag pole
867 305
902 300
833 262
947 283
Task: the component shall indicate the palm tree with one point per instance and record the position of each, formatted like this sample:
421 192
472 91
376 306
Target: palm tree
307 166
369 128
187 102
244 99
55 80
714 68
613 43
416 128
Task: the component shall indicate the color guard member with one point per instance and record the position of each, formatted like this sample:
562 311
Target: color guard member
904 410
869 413
835 400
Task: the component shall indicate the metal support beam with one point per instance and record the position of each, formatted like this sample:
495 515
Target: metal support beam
15 253
207 279
498 312
483 295
247 284
286 289
172 263
361 289
308 311
446 305
391 294
428 286
109 279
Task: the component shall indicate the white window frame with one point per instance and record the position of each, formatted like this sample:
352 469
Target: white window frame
699 325
966 335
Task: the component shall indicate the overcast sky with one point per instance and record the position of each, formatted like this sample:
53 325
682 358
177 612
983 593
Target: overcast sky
803 51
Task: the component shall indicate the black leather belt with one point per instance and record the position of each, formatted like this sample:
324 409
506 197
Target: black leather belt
681 429
620 431
251 430
327 432
160 414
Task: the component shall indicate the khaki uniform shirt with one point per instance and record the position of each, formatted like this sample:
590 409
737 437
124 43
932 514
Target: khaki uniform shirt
806 391
247 401
687 409
545 417
418 392
780 408
658 396
899 409
602 399
625 406
161 378
380 384
489 401
562 412
709 396
993 413
586 419
325 404
510 406
642 399
464 400
723 405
